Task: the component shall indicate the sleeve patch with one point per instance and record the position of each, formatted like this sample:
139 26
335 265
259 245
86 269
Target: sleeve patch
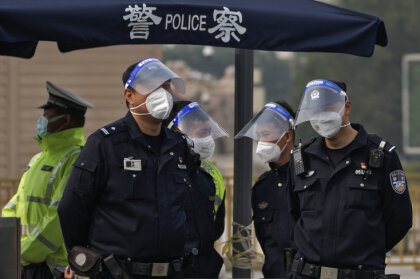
398 181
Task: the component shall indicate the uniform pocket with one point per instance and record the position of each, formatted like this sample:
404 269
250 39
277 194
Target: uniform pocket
361 194
307 189
132 185
262 216
178 189
83 176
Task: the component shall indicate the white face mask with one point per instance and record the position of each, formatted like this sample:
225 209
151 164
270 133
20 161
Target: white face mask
328 123
159 104
268 152
204 147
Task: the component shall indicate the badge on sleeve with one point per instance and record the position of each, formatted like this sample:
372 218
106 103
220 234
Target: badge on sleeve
398 181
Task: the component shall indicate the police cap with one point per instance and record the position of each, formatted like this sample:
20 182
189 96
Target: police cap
59 97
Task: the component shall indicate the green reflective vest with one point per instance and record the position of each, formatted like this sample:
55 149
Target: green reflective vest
36 201
218 182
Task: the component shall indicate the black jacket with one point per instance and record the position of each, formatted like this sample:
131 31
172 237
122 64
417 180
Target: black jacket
273 225
202 227
129 213
343 219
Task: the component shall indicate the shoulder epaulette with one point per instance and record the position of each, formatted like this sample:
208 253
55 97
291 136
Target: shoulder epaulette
374 141
113 128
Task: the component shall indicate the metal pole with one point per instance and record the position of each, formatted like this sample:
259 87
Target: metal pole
242 179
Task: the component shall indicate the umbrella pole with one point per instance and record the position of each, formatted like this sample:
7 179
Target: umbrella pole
242 180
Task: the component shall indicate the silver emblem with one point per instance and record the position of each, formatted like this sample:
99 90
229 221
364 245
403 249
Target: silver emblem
80 259
328 273
309 173
160 269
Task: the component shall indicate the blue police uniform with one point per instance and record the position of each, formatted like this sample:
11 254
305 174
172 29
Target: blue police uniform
136 214
272 221
202 227
350 215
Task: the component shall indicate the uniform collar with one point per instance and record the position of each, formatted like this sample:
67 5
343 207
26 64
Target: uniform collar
169 137
279 170
61 139
319 149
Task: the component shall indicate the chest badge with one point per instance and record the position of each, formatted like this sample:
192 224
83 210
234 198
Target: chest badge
262 205
363 170
132 164
398 182
181 166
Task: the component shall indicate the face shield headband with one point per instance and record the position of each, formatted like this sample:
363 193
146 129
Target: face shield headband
320 95
193 112
271 113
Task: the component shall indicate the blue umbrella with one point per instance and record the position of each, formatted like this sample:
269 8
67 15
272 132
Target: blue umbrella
281 25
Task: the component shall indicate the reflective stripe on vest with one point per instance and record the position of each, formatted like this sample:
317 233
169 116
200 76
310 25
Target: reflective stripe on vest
10 205
27 229
47 199
56 266
43 240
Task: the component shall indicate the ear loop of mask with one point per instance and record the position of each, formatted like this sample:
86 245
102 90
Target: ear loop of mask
146 113
55 119
284 147
137 113
345 125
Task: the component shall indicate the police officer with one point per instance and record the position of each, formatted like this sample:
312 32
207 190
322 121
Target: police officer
206 207
272 129
125 196
60 137
349 193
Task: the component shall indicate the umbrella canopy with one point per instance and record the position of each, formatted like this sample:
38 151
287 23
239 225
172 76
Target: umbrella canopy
281 25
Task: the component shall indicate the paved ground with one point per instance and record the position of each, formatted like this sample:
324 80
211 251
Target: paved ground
406 272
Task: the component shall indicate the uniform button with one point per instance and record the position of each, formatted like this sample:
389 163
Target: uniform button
149 146
134 175
189 185
112 128
304 187
185 180
327 158
263 218
362 185
82 164
279 184
347 162
172 154
128 259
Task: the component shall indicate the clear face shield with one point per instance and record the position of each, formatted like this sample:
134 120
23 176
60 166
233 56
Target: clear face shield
193 121
150 74
268 125
322 101
196 123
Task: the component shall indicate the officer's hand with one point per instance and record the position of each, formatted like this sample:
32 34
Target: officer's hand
68 273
